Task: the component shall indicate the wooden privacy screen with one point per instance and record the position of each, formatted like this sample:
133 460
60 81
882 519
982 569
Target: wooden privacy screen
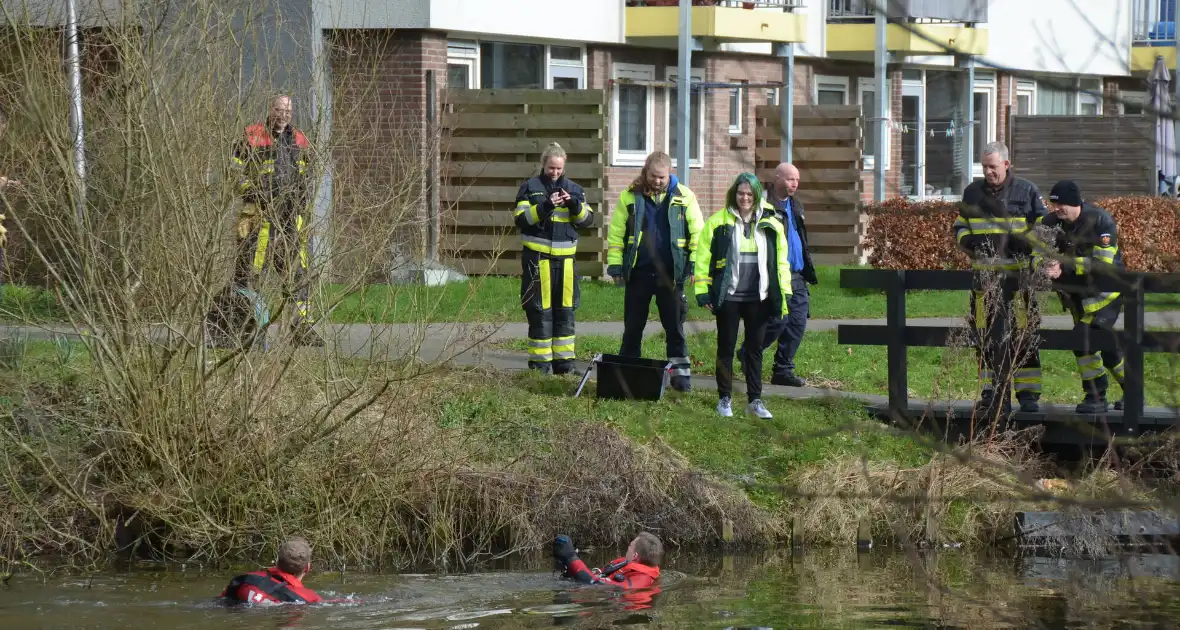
1108 156
491 142
827 150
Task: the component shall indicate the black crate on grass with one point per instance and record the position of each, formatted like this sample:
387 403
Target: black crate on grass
629 378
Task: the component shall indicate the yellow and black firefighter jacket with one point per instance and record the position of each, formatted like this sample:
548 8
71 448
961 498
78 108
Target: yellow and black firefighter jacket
994 223
272 172
1091 246
547 230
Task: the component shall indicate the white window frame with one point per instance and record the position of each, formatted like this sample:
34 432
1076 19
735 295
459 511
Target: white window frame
636 72
465 53
772 96
697 75
565 68
842 82
864 84
1082 97
1141 98
736 129
984 85
1029 89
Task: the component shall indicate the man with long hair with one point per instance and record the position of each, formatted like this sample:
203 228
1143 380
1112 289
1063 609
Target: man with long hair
652 238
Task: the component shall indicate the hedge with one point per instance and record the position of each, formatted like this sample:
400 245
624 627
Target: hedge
904 234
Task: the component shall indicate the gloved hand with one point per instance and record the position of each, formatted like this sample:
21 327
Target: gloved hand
563 550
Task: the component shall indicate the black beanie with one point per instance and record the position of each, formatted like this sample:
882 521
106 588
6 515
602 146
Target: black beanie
1066 192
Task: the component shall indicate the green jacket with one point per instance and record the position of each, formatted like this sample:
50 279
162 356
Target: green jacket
626 233
714 275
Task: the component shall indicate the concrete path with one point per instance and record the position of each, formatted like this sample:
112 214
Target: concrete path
472 344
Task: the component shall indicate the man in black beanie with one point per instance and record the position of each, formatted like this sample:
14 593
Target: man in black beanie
1088 243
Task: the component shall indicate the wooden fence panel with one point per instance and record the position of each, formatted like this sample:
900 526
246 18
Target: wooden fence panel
1105 155
491 142
827 151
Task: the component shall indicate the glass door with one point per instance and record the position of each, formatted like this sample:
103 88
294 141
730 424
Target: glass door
913 139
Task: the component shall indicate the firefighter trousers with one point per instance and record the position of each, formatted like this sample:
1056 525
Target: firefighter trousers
1093 365
1008 357
266 244
549 294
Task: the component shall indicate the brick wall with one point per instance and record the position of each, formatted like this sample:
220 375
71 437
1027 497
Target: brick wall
379 131
724 155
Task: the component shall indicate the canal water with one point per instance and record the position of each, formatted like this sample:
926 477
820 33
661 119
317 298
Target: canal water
817 589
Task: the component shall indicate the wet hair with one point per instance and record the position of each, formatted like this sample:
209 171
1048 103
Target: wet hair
294 555
657 158
552 151
649 549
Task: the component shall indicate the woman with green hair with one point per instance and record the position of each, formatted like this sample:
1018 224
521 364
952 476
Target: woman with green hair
742 275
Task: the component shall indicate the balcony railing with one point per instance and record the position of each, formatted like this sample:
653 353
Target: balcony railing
736 4
957 11
1153 22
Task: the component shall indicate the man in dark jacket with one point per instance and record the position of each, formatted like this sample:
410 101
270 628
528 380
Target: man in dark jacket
1089 241
788 331
993 226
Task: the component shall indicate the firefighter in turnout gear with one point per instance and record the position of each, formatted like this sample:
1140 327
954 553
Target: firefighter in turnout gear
651 241
272 165
549 210
1088 241
993 226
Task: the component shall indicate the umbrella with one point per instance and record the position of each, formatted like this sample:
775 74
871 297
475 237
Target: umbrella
1165 132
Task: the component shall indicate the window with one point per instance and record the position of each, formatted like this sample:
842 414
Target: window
1055 98
631 124
697 136
984 105
1090 97
1026 98
567 68
772 96
462 65
867 94
510 65
1133 103
831 90
737 111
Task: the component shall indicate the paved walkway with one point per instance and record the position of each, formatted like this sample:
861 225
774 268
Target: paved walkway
471 344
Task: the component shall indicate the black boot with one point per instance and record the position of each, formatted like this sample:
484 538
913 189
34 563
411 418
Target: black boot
682 384
789 379
1093 403
988 403
1028 403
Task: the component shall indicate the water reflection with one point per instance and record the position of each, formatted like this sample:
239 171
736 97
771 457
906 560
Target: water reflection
819 589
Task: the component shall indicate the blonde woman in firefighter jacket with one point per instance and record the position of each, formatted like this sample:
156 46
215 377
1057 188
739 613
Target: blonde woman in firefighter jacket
743 275
549 211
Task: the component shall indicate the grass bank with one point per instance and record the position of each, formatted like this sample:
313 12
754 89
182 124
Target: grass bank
934 373
463 464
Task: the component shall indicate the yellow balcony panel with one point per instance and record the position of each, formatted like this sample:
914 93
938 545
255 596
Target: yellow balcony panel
732 24
1143 57
909 39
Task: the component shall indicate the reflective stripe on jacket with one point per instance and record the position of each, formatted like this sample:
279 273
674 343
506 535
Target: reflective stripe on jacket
713 277
626 233
544 228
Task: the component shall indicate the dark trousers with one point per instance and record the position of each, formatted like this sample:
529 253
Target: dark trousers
670 303
1006 363
549 294
1093 365
755 316
788 331
283 246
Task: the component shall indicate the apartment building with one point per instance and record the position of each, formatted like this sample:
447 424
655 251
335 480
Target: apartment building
1048 57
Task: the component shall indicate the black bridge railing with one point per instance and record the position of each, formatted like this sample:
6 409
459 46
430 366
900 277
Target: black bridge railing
1133 340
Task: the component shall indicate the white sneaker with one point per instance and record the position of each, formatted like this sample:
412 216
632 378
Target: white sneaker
725 407
757 408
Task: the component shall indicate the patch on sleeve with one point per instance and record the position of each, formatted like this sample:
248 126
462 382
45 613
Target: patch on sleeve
1105 238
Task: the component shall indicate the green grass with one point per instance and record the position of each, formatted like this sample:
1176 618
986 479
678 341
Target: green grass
743 449
939 373
28 305
495 299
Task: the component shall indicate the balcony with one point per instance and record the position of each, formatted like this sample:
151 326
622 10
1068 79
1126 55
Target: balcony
918 27
1153 32
722 20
